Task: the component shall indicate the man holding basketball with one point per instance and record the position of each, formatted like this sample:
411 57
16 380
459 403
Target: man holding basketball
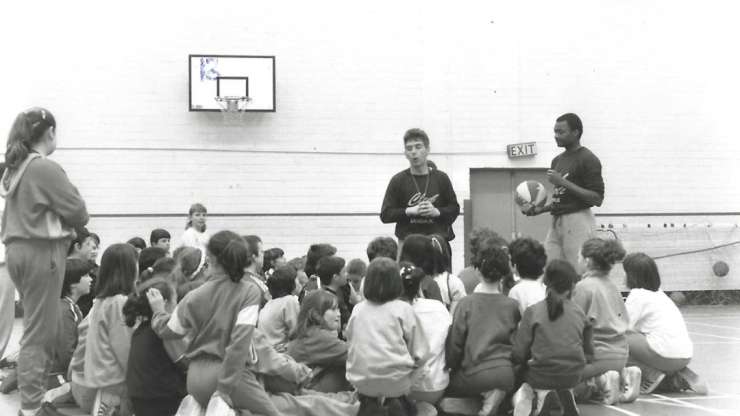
420 200
576 175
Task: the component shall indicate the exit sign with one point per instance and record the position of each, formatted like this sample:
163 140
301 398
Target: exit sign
521 150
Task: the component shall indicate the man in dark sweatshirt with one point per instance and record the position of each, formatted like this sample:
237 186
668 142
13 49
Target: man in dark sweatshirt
576 175
420 200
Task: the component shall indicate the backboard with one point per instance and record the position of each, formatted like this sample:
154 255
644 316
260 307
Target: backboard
214 76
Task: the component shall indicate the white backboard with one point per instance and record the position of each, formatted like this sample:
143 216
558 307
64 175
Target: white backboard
212 76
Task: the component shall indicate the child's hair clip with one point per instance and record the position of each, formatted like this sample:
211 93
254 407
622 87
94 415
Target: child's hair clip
406 271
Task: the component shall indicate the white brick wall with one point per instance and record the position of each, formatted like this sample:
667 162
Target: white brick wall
655 98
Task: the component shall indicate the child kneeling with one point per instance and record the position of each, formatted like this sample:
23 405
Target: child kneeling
659 341
553 343
479 343
387 347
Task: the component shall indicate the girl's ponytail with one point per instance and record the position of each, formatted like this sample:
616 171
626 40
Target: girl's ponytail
231 253
135 306
554 305
26 130
411 277
19 139
560 278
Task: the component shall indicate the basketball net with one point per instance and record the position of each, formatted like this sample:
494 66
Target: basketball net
233 108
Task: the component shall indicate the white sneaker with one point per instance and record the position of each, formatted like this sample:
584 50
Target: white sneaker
631 378
523 399
425 409
608 384
491 401
218 407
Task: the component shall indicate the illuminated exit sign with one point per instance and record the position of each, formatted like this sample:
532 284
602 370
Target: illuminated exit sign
521 150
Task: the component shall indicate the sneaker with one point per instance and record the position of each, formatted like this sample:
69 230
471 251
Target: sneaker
546 400
568 403
608 384
523 400
48 409
425 409
631 378
460 405
689 380
650 381
491 401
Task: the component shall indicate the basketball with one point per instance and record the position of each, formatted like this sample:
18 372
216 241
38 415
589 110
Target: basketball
530 193
720 269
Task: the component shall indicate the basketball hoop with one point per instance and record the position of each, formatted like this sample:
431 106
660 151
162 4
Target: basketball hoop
233 107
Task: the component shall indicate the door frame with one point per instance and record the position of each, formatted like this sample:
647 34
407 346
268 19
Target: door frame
468 213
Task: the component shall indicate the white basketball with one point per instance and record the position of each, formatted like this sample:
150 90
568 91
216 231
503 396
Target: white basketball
530 193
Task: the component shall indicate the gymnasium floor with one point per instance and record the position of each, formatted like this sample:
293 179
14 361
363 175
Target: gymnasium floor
716 335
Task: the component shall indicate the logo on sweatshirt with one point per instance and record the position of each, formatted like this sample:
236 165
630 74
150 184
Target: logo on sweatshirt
559 191
418 198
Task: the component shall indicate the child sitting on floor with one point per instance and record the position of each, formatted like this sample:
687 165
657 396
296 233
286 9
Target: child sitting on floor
659 342
600 299
155 384
279 316
479 343
529 259
316 344
552 344
387 347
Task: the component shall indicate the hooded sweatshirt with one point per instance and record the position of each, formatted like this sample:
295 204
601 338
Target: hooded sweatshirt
40 202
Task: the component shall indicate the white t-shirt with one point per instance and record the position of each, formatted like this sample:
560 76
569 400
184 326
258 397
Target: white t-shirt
435 324
451 288
279 318
194 238
655 315
528 292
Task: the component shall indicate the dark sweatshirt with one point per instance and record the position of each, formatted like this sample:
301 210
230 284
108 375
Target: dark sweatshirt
582 168
406 190
40 202
554 351
482 331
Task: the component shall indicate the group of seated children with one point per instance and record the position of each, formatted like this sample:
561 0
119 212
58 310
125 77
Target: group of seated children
222 324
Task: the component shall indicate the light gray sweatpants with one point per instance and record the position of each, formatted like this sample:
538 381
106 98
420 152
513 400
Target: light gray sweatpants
7 308
37 269
567 234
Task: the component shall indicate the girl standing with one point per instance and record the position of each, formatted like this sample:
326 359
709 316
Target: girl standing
195 229
42 210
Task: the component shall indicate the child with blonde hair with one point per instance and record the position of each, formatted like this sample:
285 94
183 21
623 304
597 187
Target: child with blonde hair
195 229
600 299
